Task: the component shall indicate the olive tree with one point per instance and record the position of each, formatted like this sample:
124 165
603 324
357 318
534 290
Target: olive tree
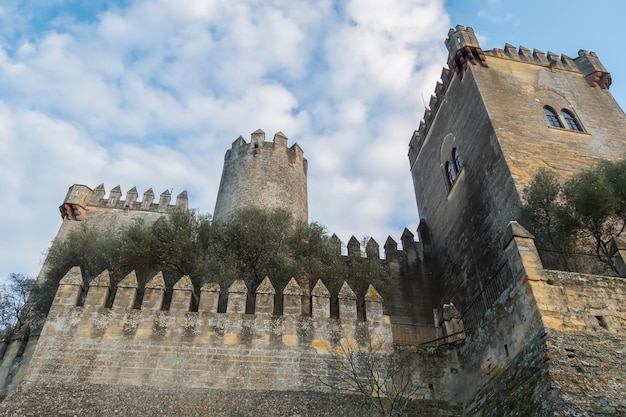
580 216
252 244
15 311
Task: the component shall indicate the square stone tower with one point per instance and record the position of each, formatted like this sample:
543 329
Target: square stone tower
497 117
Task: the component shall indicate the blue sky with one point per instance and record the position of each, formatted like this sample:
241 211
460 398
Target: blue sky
150 93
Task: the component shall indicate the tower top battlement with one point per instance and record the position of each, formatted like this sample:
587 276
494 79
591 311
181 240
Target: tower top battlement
80 198
257 144
464 51
263 174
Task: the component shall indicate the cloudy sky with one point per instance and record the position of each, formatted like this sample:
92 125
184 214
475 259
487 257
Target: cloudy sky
150 93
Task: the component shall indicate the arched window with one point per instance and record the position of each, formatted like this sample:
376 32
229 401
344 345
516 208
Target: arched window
571 121
553 119
451 174
456 157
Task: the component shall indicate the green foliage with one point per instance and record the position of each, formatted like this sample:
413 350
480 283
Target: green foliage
14 310
581 216
252 244
175 245
255 244
545 215
86 247
615 175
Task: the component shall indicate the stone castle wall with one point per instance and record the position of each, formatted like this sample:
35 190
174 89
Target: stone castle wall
83 204
204 349
552 344
95 349
86 206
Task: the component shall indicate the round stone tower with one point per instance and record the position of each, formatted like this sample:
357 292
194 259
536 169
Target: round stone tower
263 174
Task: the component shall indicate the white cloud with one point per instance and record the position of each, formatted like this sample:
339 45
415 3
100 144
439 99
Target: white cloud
152 95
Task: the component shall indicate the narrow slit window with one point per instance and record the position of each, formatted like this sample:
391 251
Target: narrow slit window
553 118
450 173
456 157
571 121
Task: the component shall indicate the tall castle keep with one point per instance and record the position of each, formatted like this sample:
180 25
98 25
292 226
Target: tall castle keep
497 117
486 329
263 174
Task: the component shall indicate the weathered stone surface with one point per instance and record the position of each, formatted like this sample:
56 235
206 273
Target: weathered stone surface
209 297
99 289
263 174
237 296
154 293
126 293
264 303
93 400
320 300
70 288
292 298
182 294
347 303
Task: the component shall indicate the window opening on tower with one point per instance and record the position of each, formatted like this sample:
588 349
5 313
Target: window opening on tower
553 118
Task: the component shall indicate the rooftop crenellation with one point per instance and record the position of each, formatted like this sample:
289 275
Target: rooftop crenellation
464 48
257 144
80 197
126 295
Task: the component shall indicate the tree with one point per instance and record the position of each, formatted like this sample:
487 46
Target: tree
592 204
87 247
581 216
252 244
15 312
384 378
546 216
175 245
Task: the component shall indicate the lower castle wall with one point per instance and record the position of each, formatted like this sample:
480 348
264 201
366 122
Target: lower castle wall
193 350
94 360
15 361
553 344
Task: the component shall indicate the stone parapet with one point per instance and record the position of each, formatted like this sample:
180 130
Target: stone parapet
80 198
200 349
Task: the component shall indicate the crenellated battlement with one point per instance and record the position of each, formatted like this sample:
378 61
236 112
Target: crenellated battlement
80 199
98 296
258 144
113 342
464 51
371 249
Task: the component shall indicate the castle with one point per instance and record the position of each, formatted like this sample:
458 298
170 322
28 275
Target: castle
489 330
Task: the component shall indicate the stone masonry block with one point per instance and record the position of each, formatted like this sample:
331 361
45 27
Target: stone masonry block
237 296
347 303
99 290
373 305
154 293
126 293
264 303
292 299
70 288
182 294
209 298
320 301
